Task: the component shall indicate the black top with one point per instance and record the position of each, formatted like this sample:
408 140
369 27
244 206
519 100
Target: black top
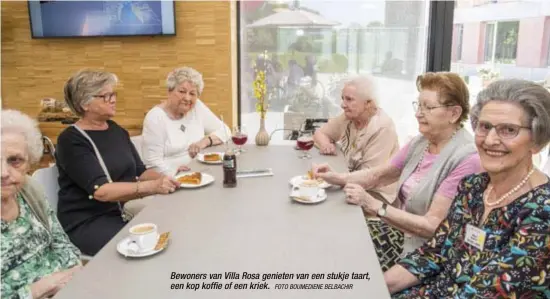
80 173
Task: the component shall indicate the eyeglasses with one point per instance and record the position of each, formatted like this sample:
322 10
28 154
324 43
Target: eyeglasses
504 131
108 97
423 108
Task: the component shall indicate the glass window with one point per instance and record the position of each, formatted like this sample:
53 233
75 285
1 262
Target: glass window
310 47
501 42
501 39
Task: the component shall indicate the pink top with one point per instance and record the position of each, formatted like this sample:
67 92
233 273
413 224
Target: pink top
448 187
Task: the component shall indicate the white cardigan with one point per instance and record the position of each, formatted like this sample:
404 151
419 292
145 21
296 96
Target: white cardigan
166 141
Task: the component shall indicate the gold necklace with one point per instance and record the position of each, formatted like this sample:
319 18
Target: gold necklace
512 191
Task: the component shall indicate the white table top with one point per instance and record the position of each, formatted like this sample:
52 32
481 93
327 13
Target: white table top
252 228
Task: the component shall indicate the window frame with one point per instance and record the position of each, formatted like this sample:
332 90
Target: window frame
440 36
493 43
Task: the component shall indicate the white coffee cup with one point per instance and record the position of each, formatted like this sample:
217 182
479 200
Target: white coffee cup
308 189
145 236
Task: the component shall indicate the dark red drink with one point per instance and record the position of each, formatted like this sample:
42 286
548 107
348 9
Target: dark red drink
305 143
239 139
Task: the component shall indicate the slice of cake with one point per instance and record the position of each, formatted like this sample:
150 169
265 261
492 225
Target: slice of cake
191 179
163 241
212 157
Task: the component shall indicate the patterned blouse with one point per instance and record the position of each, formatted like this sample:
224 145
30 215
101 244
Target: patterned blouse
515 259
29 251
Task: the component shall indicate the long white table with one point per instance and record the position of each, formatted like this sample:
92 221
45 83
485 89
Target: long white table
253 228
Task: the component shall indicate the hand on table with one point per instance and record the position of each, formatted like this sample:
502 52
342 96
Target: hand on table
329 149
183 168
356 195
165 185
49 285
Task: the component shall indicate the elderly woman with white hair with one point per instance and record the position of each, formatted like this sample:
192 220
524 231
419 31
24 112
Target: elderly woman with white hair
99 167
37 257
495 240
427 170
365 133
176 130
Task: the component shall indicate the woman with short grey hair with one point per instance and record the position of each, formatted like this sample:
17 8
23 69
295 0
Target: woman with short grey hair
176 130
99 168
524 93
86 86
183 74
494 241
31 233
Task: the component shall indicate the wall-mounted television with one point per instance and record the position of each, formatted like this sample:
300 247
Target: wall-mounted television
101 18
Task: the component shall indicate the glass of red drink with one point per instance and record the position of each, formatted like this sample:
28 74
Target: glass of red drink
239 138
305 143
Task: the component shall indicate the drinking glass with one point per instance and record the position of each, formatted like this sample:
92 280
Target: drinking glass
239 138
305 143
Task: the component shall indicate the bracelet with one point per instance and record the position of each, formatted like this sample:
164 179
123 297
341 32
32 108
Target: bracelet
211 142
137 190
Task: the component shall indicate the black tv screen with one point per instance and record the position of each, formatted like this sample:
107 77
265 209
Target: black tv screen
101 18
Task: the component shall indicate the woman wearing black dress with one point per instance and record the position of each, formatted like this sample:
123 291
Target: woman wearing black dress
92 197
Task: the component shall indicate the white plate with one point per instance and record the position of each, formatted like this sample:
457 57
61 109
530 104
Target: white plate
123 247
297 180
321 196
200 157
206 179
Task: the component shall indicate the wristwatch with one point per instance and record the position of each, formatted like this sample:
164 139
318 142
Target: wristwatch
382 211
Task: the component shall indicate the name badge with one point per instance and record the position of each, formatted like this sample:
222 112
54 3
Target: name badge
475 236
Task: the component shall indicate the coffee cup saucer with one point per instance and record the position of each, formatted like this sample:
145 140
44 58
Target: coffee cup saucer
297 180
130 249
321 196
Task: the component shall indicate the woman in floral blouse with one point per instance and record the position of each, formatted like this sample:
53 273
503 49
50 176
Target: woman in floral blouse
495 242
36 255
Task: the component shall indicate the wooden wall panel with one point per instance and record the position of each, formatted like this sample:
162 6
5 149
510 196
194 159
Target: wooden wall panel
33 69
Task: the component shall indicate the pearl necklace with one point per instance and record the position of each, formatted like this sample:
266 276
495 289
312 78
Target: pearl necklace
427 150
503 197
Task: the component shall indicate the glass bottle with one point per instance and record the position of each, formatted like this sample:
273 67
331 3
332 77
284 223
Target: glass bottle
229 169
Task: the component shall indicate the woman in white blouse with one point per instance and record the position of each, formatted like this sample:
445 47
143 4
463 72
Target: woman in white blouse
176 130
